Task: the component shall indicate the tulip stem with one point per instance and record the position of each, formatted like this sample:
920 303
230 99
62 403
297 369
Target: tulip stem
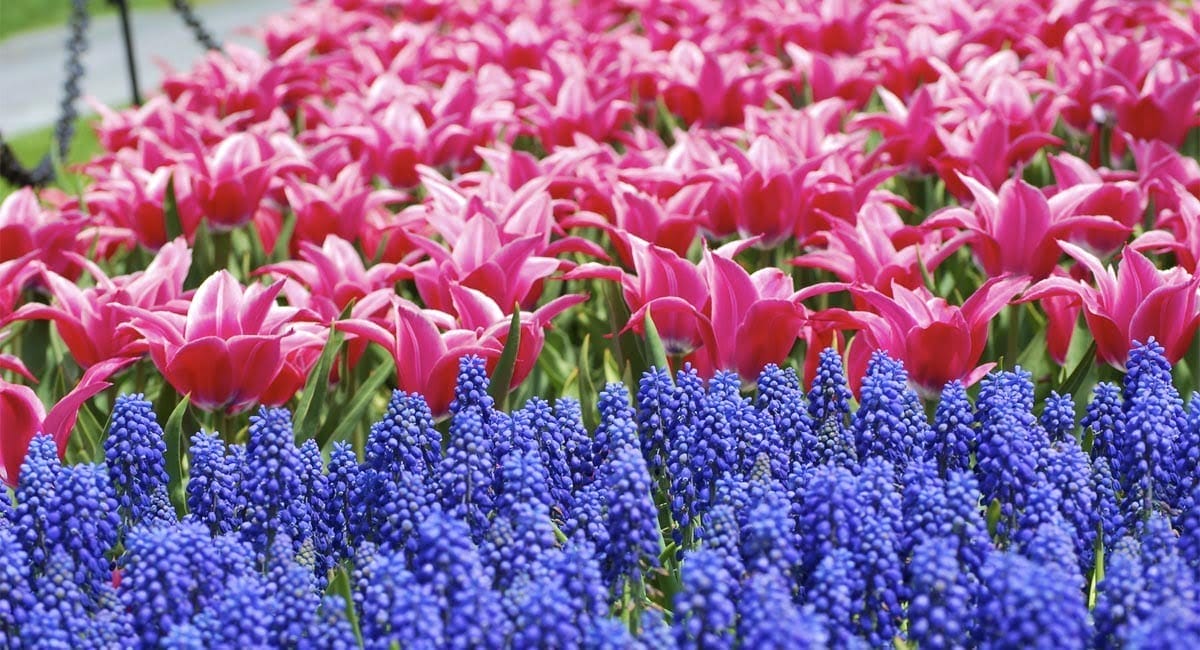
222 250
1015 314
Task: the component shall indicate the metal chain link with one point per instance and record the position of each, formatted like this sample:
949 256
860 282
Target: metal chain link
190 18
11 168
77 44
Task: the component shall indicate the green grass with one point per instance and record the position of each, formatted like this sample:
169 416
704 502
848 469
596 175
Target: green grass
32 145
18 16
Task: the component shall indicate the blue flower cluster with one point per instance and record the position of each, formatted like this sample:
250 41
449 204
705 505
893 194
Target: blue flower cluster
693 517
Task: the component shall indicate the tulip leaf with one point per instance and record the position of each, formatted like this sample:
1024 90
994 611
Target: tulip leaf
174 438
626 346
202 257
570 385
305 418
1075 380
349 417
283 242
1097 570
655 351
587 388
993 517
85 445
552 361
34 349
612 368
926 276
171 220
339 585
502 376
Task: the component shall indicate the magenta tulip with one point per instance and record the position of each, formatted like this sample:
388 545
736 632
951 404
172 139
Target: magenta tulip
229 347
1132 303
938 342
90 320
1021 213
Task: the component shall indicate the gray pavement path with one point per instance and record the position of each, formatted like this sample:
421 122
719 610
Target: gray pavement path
31 64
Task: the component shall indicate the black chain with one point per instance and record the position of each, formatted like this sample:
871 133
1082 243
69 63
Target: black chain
190 18
11 169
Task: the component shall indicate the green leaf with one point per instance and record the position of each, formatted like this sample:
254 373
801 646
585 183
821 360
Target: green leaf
655 351
503 374
339 585
202 257
993 517
1075 380
552 361
349 417
173 224
283 242
926 276
612 369
570 386
85 444
1097 568
174 435
587 388
627 347
305 418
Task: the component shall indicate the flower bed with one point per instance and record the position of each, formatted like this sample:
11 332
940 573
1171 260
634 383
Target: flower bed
897 199
694 517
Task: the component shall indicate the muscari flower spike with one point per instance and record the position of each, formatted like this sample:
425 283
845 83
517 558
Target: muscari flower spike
135 452
954 434
705 608
273 484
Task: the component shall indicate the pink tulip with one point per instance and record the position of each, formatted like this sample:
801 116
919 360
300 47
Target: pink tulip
751 319
509 273
328 278
15 275
390 142
832 76
426 359
226 187
498 244
879 250
480 313
1160 169
24 416
332 207
229 347
1180 234
243 87
663 283
1133 303
663 223
709 88
1021 213
938 342
1162 108
26 226
90 320
574 108
715 314
911 133
133 199
1112 195
1062 312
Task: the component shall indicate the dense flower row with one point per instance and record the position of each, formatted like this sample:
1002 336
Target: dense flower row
411 174
692 517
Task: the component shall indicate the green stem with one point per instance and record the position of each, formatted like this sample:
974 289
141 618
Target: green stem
1013 351
222 250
